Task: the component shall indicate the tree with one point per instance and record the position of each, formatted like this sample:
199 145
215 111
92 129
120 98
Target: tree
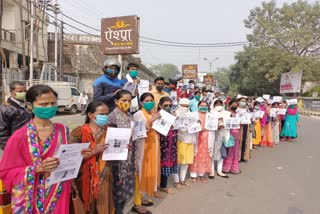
294 27
222 76
165 70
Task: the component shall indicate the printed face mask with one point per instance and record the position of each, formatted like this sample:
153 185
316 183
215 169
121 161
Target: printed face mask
45 113
101 120
148 105
21 96
123 106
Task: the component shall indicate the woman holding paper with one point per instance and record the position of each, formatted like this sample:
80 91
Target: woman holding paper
147 156
257 138
202 163
275 124
123 171
289 129
221 135
94 182
244 133
28 158
169 154
267 139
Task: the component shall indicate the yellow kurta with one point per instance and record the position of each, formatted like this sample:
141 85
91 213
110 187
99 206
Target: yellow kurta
257 140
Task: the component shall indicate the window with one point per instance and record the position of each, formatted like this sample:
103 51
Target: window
75 92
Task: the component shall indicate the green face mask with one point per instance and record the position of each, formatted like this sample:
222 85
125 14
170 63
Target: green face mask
148 106
21 96
133 73
203 109
45 113
197 97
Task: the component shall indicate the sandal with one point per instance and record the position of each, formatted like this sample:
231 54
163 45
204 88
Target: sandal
140 210
202 180
178 186
158 194
185 184
146 203
167 190
194 180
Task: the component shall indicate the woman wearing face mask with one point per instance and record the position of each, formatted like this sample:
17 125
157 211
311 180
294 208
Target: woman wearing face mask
220 135
147 156
169 154
289 129
267 139
275 125
28 158
244 133
257 139
94 182
202 163
186 142
123 171
231 162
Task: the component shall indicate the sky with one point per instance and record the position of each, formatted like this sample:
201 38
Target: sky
201 21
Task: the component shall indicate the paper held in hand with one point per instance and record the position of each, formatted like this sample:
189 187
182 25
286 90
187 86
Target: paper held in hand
70 159
164 124
117 140
181 123
266 96
282 111
292 102
139 130
143 87
211 122
232 123
273 112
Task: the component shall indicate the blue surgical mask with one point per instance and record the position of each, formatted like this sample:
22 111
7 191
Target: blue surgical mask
112 73
167 90
101 120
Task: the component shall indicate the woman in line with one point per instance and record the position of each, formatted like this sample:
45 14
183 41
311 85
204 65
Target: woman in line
147 156
275 125
169 153
244 133
257 139
289 129
231 163
123 171
202 162
28 158
220 135
267 139
186 142
94 182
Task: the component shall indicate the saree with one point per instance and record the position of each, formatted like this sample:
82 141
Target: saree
289 128
244 148
23 153
169 153
257 138
231 163
94 181
267 139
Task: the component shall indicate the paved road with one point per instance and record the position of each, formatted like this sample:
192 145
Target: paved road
280 180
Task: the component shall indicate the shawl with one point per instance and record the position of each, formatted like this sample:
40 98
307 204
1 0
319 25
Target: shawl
292 111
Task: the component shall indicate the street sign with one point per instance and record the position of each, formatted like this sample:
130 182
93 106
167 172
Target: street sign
208 80
120 35
290 82
190 71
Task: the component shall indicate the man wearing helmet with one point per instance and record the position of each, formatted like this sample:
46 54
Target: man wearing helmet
106 86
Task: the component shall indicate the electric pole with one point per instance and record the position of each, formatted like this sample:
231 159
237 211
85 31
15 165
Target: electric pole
56 35
61 52
31 44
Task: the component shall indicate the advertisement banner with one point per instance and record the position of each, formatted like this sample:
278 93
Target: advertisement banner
190 71
290 82
120 35
208 80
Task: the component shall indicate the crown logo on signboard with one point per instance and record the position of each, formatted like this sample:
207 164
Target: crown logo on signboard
120 24
190 67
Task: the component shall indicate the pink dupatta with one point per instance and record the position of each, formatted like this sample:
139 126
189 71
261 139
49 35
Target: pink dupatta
17 170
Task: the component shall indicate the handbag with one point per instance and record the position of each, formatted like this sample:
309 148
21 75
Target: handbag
77 204
229 143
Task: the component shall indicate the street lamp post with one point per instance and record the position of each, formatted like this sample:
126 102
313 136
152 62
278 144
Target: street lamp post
210 62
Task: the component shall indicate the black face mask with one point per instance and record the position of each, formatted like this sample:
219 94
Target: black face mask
233 108
159 88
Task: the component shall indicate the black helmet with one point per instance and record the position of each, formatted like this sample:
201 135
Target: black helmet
174 80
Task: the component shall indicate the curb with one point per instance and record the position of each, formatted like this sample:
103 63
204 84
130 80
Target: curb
310 113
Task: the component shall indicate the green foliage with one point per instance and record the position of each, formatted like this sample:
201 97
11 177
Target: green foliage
165 70
222 76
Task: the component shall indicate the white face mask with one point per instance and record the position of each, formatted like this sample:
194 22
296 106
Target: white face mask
184 110
218 108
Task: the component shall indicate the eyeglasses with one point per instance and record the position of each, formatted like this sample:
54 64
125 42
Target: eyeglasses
166 106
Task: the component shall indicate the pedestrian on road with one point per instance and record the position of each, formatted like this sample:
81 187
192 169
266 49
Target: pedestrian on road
15 115
169 153
202 163
94 182
29 158
257 136
267 139
289 129
123 171
83 101
275 126
106 86
147 156
157 91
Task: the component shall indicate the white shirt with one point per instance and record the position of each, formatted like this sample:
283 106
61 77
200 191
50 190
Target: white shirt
83 100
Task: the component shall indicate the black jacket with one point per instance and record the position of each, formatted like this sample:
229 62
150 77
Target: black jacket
11 119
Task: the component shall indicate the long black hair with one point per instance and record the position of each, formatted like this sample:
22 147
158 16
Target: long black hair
163 100
145 95
92 108
204 101
37 90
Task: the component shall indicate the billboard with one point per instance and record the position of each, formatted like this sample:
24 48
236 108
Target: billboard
208 80
120 35
290 82
190 71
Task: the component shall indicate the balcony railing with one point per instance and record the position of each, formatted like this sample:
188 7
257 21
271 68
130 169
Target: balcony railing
7 35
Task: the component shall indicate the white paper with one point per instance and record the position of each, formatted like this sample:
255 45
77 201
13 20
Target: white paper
143 87
261 113
129 78
246 118
211 122
194 128
190 86
134 105
130 87
256 114
139 130
117 140
70 159
266 96
277 99
181 123
260 99
164 124
282 111
174 98
209 98
273 112
292 102
232 123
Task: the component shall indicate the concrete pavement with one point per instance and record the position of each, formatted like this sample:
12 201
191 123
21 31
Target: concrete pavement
280 180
